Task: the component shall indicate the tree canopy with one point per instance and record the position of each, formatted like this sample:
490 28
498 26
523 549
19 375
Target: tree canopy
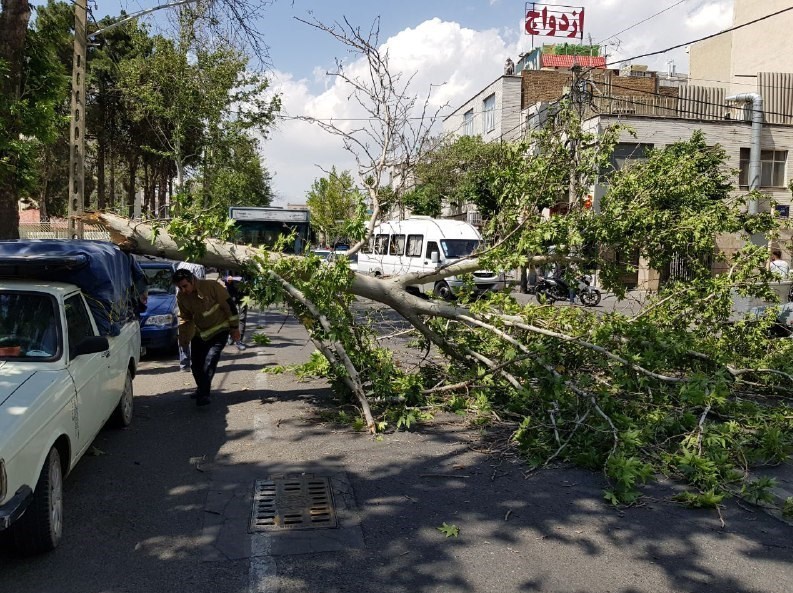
144 130
458 171
334 201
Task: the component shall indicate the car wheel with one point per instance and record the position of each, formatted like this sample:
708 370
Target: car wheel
41 527
443 290
122 415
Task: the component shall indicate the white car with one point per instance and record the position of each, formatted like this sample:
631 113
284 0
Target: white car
60 381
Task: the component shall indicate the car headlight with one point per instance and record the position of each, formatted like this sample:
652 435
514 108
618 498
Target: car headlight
160 320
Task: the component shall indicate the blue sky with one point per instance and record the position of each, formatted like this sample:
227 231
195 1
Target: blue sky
459 43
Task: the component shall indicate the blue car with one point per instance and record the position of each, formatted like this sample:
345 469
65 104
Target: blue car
158 324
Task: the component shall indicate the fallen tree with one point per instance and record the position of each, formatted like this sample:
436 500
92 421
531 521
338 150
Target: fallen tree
680 387
676 388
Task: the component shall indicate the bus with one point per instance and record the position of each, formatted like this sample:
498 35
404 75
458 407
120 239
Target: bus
262 227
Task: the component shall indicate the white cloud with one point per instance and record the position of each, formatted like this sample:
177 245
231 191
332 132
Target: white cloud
712 15
434 52
462 60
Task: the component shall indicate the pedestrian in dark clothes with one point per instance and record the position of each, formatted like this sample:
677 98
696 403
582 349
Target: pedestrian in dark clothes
207 316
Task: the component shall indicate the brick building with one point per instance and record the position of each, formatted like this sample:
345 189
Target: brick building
660 108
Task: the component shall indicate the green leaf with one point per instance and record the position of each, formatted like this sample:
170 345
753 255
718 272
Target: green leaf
449 530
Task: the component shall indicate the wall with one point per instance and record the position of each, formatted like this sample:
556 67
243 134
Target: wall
709 62
540 86
507 111
773 54
735 58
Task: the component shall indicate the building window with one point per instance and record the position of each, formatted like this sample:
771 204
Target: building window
489 109
468 123
629 152
772 168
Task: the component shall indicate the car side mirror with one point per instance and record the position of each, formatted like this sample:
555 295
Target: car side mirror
434 257
91 345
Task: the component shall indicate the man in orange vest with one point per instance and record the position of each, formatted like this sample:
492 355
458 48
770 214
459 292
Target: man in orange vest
207 316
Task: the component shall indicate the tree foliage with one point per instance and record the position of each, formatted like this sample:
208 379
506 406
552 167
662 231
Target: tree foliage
157 109
333 202
35 85
457 172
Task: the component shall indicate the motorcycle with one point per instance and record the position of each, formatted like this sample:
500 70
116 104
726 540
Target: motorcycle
550 290
587 294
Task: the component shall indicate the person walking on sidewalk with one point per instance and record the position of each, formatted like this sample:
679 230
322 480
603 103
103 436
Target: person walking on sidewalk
199 272
207 316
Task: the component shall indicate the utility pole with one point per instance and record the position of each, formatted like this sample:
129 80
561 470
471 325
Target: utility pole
77 130
76 202
577 96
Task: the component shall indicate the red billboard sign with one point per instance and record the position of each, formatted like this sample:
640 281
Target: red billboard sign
551 20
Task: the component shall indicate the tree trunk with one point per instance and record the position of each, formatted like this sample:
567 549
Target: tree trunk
144 207
14 20
133 173
163 190
112 203
101 197
45 189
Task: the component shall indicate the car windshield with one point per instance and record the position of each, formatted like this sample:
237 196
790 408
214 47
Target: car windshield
160 280
454 248
28 326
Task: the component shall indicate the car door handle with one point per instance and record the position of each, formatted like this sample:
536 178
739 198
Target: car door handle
106 354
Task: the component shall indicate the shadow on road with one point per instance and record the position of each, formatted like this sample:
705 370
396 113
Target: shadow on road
136 510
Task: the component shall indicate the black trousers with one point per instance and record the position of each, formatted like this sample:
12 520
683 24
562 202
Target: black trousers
204 356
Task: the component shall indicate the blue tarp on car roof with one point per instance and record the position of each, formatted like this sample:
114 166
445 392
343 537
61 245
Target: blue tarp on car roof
110 279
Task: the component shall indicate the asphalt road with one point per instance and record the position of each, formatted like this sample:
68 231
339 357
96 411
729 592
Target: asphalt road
165 506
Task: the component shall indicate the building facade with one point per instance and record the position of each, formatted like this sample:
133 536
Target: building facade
493 113
732 60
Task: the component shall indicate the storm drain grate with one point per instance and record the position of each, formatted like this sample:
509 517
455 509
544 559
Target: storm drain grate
304 502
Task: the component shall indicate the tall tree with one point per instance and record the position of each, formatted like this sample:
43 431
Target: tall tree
14 18
333 202
53 31
456 172
235 175
186 118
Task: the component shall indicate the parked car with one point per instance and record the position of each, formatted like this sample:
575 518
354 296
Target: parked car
352 260
69 351
159 323
322 253
783 322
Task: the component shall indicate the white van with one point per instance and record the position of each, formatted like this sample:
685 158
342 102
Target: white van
424 244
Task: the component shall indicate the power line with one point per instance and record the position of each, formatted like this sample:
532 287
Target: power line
678 46
660 12
700 101
750 84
